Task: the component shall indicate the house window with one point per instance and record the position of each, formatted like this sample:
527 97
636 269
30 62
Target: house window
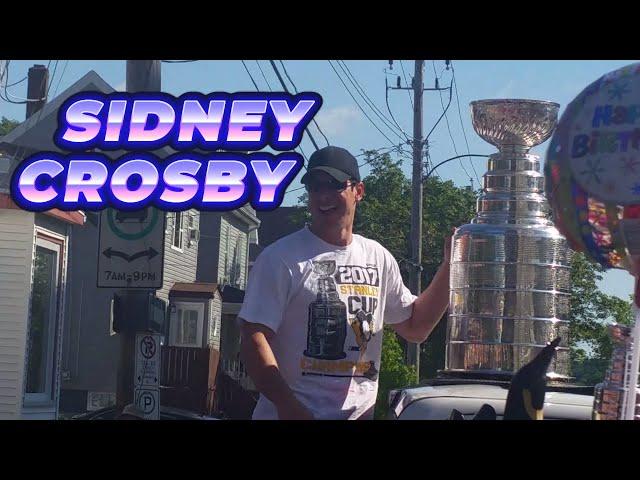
43 323
187 324
177 230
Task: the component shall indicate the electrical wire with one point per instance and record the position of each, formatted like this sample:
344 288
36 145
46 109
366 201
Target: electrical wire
17 100
443 112
178 61
351 77
386 99
264 76
455 84
18 82
250 76
304 156
406 82
284 86
359 106
295 89
446 118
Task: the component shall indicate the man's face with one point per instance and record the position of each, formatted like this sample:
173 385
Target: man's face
332 203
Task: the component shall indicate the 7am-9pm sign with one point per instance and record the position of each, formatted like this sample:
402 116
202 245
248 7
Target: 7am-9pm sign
131 250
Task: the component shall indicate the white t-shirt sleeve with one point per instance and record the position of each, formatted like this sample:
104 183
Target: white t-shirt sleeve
265 299
399 299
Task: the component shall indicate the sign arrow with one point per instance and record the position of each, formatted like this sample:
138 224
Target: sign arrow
109 252
151 252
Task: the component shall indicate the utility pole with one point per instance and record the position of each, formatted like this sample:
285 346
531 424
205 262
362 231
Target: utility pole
142 76
413 350
37 88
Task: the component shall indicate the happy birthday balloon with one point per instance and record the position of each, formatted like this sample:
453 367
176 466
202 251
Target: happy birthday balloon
593 170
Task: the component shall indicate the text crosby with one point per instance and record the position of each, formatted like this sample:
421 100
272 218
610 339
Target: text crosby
213 182
230 124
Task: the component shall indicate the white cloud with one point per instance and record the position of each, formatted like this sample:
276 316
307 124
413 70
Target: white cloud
121 87
337 120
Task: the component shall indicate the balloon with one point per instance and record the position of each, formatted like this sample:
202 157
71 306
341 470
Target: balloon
593 171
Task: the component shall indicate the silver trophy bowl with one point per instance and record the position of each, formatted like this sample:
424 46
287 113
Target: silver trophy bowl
510 266
524 123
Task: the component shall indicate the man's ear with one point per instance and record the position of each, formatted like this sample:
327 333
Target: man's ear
359 191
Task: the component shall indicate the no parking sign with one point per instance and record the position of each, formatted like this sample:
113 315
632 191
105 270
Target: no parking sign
147 375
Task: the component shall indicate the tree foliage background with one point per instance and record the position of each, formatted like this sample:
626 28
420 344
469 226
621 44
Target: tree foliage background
590 312
6 125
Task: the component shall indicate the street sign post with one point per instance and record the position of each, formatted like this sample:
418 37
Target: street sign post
131 249
147 375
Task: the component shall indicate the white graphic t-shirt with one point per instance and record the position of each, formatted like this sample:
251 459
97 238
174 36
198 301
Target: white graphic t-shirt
327 305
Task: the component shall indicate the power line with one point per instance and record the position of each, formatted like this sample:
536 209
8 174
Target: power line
275 69
446 118
351 77
455 84
64 69
406 82
264 76
304 156
359 106
53 76
295 89
443 112
250 76
386 99
20 100
178 61
18 82
46 95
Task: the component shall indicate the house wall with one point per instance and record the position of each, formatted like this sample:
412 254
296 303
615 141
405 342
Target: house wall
215 324
16 253
179 265
50 228
208 250
233 251
90 352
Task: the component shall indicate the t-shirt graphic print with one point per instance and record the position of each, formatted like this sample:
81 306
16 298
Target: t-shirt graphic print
327 306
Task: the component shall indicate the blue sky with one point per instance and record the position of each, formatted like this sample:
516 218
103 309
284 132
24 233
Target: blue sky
341 119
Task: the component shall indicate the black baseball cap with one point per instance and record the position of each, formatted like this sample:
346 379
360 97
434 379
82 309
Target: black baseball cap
335 161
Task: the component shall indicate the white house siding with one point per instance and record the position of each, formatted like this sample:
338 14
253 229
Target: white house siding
179 266
230 235
16 252
215 316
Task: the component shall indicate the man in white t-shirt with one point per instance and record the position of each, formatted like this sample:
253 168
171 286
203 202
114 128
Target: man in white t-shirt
316 301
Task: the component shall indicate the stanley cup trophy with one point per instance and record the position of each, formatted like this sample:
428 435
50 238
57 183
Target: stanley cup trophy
509 266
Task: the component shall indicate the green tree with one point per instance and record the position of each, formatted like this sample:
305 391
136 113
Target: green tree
590 312
6 125
394 372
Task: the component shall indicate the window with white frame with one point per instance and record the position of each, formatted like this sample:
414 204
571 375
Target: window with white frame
177 229
44 317
187 323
